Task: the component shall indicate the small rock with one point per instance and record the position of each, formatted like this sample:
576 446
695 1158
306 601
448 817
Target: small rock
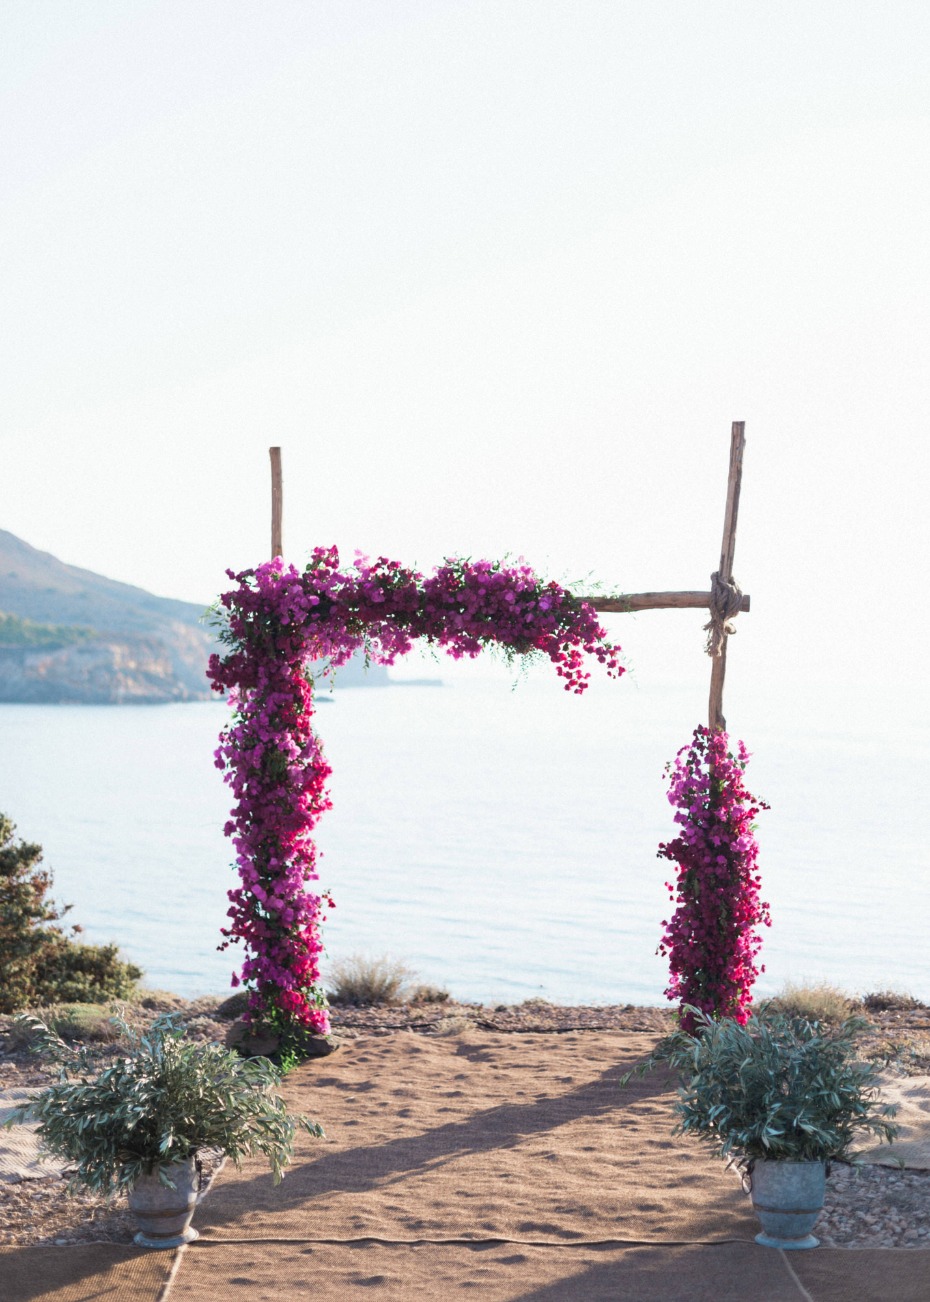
249 1043
319 1046
234 1006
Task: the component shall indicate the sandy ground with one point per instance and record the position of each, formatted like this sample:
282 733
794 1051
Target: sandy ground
497 1063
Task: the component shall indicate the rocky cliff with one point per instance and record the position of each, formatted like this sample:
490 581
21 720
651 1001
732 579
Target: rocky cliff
69 635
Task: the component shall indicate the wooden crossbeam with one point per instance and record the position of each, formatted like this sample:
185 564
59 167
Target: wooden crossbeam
699 600
633 601
656 601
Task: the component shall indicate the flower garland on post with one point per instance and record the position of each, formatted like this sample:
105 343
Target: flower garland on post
710 941
277 620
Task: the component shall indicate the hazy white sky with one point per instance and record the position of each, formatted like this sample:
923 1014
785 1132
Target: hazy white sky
497 277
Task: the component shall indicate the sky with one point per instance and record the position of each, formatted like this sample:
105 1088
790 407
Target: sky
497 277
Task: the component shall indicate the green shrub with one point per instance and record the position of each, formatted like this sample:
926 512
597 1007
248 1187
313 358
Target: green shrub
158 1104
39 962
67 972
16 631
777 1088
23 911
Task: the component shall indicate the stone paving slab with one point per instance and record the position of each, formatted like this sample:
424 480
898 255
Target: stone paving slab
19 1145
911 1096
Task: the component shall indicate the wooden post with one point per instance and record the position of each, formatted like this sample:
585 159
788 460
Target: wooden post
701 600
277 503
716 721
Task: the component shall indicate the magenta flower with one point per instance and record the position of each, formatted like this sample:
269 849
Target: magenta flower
277 621
711 942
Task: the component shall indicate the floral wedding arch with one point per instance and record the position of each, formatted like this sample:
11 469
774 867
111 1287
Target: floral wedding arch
277 620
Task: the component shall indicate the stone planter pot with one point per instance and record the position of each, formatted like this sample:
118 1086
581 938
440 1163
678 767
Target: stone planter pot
164 1215
788 1198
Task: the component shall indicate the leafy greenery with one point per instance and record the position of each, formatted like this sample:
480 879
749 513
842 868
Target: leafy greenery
19 632
39 962
23 910
779 1087
69 972
158 1104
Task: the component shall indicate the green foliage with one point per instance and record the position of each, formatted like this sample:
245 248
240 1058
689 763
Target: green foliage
777 1088
362 981
24 909
19 632
39 962
159 1103
68 972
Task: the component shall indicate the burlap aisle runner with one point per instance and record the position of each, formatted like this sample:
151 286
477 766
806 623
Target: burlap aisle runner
519 1137
89 1271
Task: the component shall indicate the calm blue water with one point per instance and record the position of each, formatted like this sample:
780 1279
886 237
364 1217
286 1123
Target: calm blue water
502 843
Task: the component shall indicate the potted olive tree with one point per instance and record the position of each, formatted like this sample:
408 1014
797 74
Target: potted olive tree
138 1124
781 1097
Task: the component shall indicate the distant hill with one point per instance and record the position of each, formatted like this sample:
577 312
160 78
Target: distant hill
69 635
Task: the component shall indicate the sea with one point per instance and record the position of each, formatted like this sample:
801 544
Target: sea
499 839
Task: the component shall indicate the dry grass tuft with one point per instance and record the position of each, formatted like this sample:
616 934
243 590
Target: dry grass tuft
887 1001
817 1001
455 1025
428 995
87 1023
158 1001
362 981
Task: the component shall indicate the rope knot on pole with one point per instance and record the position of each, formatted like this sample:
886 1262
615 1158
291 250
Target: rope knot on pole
726 599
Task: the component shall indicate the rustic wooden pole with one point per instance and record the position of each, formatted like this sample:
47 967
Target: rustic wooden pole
727 549
657 601
277 503
702 600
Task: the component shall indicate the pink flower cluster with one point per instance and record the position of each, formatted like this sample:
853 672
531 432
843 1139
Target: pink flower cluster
275 766
710 941
277 620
